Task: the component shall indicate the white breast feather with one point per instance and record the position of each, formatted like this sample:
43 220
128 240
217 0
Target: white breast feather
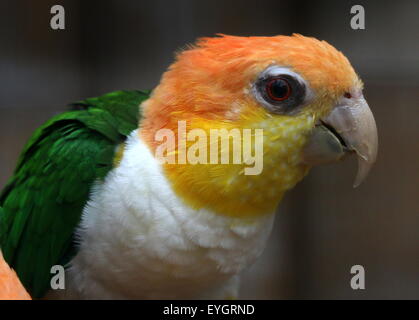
139 240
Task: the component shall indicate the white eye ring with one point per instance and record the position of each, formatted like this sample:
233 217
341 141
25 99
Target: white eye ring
276 71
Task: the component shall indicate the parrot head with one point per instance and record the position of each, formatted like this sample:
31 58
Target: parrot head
299 95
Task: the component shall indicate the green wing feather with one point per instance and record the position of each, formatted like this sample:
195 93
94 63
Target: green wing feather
42 203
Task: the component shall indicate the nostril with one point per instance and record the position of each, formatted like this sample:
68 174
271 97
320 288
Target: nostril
347 95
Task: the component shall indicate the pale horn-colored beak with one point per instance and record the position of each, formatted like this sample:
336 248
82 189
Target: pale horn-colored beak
350 126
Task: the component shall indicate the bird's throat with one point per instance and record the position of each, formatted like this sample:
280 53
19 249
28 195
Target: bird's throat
227 188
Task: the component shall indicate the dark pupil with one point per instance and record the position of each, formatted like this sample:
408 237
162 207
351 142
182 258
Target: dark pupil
278 88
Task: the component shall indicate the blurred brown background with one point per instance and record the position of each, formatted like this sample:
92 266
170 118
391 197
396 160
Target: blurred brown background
324 226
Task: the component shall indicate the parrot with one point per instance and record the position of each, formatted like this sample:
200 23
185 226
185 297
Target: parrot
91 193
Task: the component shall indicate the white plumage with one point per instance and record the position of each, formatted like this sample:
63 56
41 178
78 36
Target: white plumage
138 240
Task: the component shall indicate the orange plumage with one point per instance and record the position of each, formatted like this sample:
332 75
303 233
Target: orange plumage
207 79
10 286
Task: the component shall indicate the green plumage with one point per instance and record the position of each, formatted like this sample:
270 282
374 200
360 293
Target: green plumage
42 203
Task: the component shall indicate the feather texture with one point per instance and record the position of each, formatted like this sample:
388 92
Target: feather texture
44 199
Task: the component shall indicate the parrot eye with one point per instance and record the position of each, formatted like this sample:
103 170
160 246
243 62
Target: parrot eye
281 90
278 89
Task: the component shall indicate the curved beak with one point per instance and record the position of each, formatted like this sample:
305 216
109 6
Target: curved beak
349 127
